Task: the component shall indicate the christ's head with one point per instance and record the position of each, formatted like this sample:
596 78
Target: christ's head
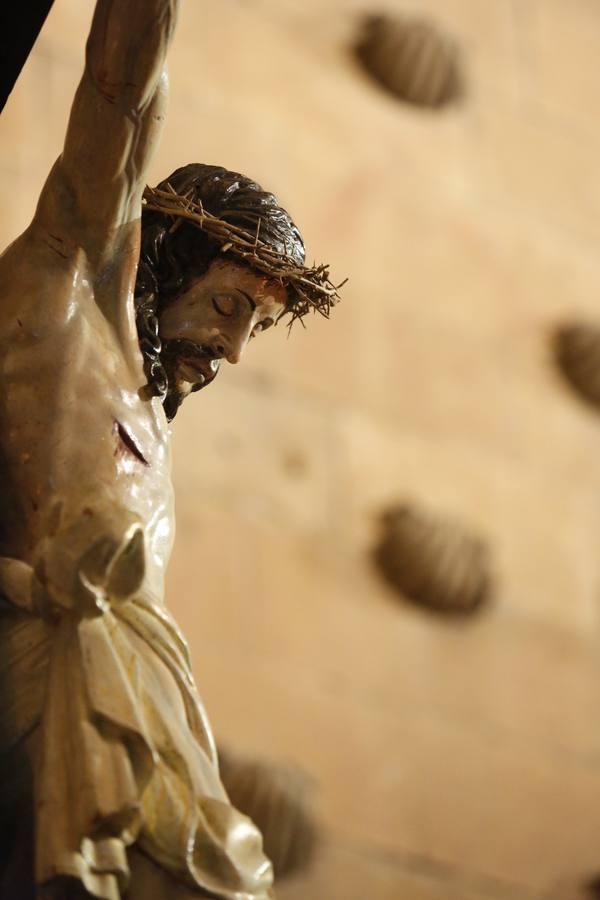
214 318
196 303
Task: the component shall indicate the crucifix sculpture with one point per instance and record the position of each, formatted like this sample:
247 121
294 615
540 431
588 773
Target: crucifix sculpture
115 306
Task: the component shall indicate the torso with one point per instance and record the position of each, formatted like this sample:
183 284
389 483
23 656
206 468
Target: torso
77 434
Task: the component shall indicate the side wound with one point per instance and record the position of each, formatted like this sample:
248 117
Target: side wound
126 443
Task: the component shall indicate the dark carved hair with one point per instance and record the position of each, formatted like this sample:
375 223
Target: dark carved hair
175 254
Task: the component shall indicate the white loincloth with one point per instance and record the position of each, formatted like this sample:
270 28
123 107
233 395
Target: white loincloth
124 752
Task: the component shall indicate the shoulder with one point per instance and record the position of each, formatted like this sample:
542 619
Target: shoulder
53 245
59 271
40 257
42 289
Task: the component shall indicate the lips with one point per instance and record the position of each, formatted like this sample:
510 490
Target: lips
198 370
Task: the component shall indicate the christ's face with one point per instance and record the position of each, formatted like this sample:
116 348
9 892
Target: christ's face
214 319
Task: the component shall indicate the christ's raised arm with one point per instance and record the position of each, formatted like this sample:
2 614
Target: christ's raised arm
116 118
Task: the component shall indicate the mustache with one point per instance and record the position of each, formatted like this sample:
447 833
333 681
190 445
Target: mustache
177 349
182 347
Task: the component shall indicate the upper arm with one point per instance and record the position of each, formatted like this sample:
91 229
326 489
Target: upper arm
115 120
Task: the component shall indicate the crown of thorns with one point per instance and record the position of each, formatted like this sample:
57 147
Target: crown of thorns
309 287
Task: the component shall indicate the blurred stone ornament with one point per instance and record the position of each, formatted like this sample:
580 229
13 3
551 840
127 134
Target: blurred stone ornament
275 798
433 562
577 354
411 58
575 889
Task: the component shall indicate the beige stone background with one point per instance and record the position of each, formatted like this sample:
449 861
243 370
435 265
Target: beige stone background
449 761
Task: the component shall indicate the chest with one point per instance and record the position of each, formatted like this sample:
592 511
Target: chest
72 390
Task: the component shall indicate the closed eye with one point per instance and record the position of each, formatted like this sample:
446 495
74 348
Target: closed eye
224 305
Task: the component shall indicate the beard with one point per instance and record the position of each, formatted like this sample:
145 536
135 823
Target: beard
188 368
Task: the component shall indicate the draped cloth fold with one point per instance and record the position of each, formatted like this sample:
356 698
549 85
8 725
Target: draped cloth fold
124 753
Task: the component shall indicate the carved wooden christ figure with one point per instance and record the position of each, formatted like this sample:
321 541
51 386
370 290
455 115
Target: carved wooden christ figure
110 784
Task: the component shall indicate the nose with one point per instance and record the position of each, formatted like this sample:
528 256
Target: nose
235 354
218 348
